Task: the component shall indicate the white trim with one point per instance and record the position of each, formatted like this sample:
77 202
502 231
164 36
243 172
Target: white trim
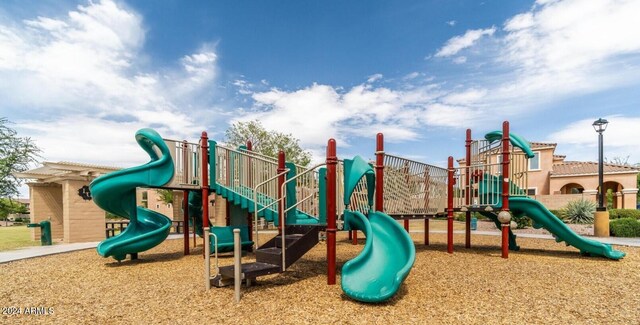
630 191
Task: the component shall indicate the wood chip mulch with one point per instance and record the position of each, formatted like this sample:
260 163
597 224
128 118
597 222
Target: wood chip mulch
544 283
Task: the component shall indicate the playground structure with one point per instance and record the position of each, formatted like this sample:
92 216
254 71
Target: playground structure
346 195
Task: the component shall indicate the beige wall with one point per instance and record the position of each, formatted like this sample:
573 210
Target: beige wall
84 221
539 179
46 204
559 201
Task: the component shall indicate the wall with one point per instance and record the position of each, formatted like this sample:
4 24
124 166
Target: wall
559 201
84 221
46 204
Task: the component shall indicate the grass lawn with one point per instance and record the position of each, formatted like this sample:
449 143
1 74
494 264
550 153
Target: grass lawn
16 237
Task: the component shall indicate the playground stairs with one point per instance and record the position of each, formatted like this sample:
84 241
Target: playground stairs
298 241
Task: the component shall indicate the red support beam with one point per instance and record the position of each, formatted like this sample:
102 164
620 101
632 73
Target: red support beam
185 217
467 190
379 202
332 161
204 144
250 183
450 206
354 238
185 198
505 187
426 231
281 179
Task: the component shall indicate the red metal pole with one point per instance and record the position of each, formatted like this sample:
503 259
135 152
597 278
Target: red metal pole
332 161
379 202
467 191
505 186
354 237
185 218
204 140
185 197
426 231
281 169
250 170
450 206
204 144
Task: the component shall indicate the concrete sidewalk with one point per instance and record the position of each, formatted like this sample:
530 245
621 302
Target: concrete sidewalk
30 252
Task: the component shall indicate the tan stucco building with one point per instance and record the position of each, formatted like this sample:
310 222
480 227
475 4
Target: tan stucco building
58 193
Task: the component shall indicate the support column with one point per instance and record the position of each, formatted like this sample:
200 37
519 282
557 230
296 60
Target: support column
467 191
450 184
281 178
379 202
204 140
332 161
506 216
426 231
250 183
185 220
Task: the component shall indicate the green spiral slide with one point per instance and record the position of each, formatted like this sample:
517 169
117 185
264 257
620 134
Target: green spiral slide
377 273
116 193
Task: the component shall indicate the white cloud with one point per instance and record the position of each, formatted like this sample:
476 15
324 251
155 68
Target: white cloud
68 79
581 140
451 22
460 60
374 78
458 43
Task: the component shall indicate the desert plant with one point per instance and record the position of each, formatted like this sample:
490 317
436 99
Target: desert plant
625 227
579 211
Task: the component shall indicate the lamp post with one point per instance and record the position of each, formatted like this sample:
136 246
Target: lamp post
601 219
600 125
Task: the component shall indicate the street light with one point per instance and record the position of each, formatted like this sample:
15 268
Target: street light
600 125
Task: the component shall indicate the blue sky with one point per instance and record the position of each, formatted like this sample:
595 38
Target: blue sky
80 77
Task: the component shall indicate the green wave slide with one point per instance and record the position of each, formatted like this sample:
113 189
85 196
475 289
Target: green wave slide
116 193
544 218
377 273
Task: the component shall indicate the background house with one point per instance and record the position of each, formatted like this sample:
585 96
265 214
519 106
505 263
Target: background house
555 182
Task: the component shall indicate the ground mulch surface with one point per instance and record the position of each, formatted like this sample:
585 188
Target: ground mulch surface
544 283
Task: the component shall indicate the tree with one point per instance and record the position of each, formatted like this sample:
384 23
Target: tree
16 153
165 196
267 142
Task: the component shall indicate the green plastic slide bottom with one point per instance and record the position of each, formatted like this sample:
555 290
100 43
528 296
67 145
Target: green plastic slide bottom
376 274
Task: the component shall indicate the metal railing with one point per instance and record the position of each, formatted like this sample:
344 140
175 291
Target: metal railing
413 188
265 205
186 159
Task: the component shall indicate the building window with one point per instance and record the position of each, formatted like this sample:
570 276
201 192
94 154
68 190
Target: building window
534 163
532 191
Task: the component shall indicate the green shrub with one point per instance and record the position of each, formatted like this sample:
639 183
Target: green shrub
579 211
459 216
558 213
624 213
625 227
522 221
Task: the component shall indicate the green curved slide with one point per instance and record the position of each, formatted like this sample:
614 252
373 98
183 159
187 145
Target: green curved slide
116 193
376 274
544 218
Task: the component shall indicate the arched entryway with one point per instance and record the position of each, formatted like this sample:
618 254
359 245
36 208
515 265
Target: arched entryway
572 188
613 194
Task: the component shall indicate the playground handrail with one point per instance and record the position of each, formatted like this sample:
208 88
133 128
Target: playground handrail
256 211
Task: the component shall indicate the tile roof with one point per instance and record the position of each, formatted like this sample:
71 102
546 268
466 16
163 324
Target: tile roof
538 145
588 168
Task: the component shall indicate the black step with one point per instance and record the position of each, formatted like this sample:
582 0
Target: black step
298 241
251 270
